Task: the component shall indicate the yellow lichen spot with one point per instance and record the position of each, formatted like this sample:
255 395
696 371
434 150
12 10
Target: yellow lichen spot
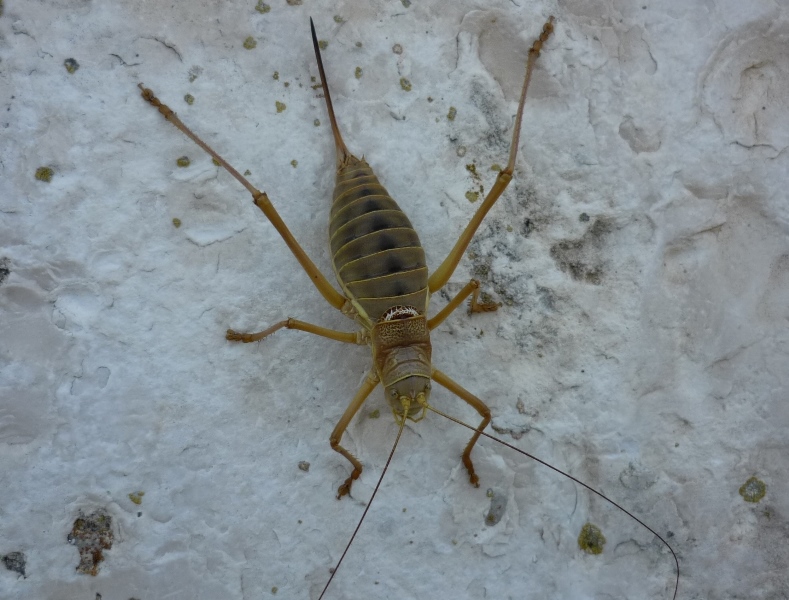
358 73
338 19
452 113
250 43
183 162
262 7
71 65
189 99
45 174
136 497
216 162
495 167
472 196
323 44
405 84
280 106
317 122
276 75
294 163
753 490
374 414
591 540
176 224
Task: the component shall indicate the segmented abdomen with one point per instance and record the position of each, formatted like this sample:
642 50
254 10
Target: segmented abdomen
376 253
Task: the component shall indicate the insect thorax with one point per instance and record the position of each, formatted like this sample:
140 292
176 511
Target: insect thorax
401 345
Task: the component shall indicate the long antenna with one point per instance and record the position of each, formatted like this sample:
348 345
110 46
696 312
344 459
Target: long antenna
339 144
576 480
369 503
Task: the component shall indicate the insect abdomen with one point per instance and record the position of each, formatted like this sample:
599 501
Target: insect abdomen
377 256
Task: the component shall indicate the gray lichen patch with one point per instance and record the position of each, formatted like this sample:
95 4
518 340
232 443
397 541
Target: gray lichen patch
15 561
582 259
91 534
498 506
753 490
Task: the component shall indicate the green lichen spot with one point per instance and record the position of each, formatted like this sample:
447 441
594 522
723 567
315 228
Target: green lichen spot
591 540
406 3
472 196
294 163
452 113
44 174
71 65
358 73
317 122
250 43
294 2
276 75
136 497
262 7
216 162
323 44
183 161
753 490
375 414
495 167
176 224
189 99
280 106
358 44
274 589
338 19
247 173
405 84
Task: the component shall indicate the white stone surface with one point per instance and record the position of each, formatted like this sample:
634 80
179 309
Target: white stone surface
644 350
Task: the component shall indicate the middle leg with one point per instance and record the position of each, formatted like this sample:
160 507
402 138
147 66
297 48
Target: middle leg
472 289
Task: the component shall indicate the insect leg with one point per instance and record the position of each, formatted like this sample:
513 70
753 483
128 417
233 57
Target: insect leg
477 405
368 386
441 275
360 337
472 289
261 200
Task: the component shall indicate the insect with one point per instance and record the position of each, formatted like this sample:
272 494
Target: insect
381 269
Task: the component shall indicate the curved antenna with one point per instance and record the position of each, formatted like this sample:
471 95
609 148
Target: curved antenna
370 502
342 150
576 480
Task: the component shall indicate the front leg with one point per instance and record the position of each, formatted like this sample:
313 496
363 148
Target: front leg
368 386
477 405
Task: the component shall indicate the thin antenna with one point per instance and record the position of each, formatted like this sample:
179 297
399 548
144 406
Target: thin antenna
342 150
576 480
369 503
